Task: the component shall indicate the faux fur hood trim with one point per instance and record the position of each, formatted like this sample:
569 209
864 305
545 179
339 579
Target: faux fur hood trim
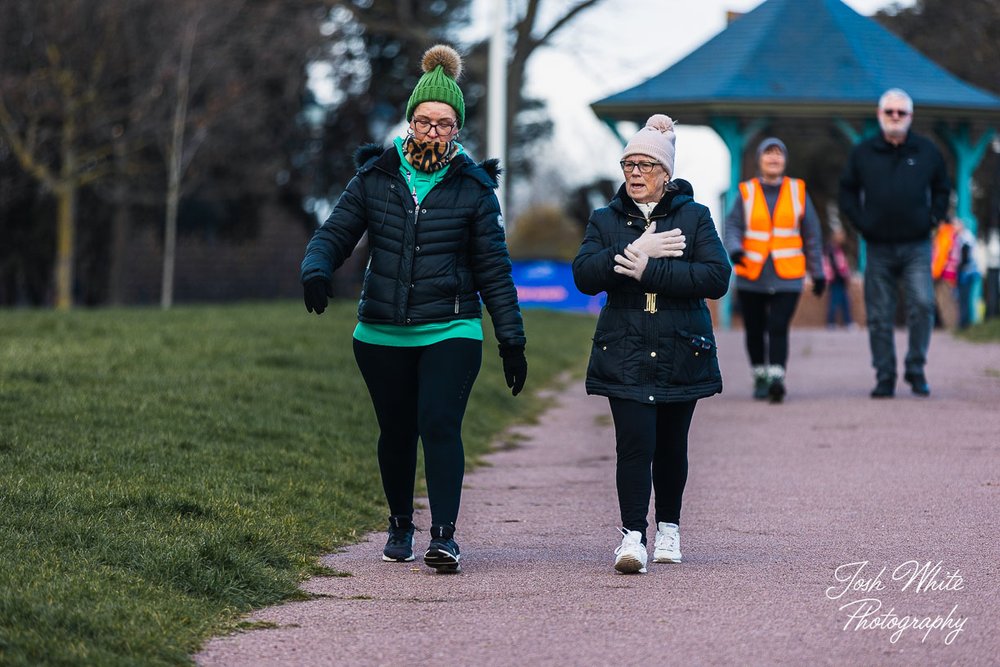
493 170
366 152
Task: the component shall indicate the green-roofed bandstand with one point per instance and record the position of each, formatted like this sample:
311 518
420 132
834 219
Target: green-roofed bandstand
811 59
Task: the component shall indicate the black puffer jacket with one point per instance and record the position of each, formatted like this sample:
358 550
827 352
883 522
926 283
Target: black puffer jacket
669 355
426 264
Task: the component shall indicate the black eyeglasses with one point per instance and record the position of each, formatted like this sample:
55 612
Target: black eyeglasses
896 112
443 126
644 167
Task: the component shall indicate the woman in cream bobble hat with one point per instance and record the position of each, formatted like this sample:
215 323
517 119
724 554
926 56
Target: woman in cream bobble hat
437 252
656 253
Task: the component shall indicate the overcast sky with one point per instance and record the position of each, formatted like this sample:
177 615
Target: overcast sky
619 44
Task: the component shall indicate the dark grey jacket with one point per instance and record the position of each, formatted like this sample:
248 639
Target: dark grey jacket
430 263
669 355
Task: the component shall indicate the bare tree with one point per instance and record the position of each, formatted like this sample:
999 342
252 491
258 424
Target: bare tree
172 98
52 112
528 37
181 145
175 155
221 85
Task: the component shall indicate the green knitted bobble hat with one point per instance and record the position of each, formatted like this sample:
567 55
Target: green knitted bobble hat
442 66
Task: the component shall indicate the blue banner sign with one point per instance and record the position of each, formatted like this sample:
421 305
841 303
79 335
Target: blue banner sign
549 284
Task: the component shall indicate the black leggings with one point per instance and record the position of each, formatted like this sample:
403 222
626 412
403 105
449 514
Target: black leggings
770 314
421 392
651 437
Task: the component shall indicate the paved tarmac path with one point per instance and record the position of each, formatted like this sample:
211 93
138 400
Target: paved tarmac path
781 501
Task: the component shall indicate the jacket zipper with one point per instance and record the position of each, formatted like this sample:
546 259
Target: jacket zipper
416 215
650 296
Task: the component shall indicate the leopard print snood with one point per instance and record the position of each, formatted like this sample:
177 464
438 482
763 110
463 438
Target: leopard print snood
429 156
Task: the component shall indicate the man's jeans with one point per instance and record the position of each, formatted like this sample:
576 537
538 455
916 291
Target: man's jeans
890 265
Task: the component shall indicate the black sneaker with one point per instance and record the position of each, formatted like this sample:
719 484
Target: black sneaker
918 384
776 392
399 546
443 553
884 389
760 387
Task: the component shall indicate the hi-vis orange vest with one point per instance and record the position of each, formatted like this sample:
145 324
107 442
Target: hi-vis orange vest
781 238
941 250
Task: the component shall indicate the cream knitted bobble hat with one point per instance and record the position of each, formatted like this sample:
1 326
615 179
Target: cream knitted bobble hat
656 140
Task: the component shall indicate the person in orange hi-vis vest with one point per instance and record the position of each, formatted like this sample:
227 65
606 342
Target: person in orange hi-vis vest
773 237
943 273
944 238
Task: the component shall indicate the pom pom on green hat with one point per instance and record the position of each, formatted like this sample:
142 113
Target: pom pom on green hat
442 66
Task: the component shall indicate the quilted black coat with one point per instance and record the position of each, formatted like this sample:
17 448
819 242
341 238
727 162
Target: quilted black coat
430 263
669 355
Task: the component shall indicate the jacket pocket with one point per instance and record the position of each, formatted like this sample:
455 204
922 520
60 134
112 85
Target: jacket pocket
695 359
607 357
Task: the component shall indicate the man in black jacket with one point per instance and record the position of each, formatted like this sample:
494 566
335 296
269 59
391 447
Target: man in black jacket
895 190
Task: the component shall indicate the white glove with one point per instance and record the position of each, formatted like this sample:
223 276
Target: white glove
670 243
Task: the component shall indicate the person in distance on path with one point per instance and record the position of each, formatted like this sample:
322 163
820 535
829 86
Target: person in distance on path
773 236
658 256
895 191
436 251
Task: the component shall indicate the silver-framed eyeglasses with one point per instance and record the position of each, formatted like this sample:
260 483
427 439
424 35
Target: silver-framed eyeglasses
644 167
443 127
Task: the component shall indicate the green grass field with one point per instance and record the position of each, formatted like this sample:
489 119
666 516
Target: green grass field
162 473
984 332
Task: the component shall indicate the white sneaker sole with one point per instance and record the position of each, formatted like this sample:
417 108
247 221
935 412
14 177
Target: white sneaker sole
443 562
388 559
630 565
666 559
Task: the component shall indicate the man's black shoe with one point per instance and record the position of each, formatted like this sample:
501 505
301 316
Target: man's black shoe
918 383
399 546
884 389
443 553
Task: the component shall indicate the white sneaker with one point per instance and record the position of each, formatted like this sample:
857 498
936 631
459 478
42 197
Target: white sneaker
667 547
631 556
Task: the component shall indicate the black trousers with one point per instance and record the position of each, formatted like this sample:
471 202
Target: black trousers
421 392
652 443
769 314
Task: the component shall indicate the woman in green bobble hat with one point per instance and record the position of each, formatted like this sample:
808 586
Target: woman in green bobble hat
437 252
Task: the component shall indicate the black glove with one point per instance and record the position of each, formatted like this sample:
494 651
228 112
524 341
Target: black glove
515 367
819 286
736 257
315 292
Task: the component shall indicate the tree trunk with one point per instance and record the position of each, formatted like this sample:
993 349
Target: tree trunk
525 44
175 157
65 242
119 229
65 190
170 239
